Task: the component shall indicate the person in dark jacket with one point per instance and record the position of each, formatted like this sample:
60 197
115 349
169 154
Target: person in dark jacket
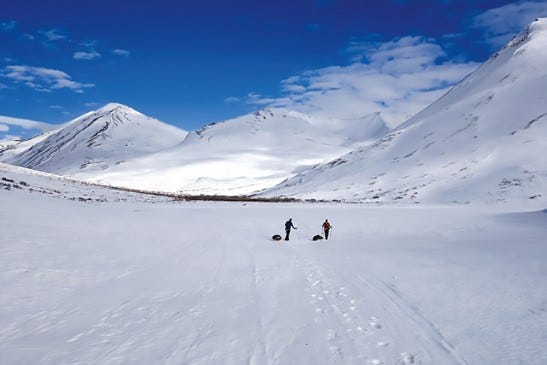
288 226
326 228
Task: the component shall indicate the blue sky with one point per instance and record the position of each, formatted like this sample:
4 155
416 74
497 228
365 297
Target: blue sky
190 63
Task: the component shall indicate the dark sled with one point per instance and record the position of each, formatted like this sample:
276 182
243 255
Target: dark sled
317 237
276 237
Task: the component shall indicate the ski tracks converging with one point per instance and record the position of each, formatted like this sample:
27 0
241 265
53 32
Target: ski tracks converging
366 321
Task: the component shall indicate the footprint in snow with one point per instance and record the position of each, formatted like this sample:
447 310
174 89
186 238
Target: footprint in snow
373 321
407 358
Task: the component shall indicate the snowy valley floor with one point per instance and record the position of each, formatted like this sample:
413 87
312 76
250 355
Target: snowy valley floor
202 283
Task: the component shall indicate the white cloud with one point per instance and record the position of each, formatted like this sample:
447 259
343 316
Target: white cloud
232 100
2 86
4 128
501 24
57 107
91 104
51 35
397 78
28 36
8 26
42 79
25 123
81 55
121 52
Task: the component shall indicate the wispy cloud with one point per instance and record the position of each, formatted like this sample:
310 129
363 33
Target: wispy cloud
43 79
232 100
2 86
25 123
8 26
82 55
48 38
89 43
500 24
397 78
121 52
89 53
52 35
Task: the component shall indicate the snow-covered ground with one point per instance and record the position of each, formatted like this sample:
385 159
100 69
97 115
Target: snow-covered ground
161 282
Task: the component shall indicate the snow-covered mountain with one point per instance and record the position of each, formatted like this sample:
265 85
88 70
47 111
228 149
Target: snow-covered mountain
357 131
485 140
94 142
241 155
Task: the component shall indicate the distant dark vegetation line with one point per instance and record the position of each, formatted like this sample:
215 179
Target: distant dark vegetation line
205 197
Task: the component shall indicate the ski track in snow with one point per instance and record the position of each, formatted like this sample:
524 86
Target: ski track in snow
356 333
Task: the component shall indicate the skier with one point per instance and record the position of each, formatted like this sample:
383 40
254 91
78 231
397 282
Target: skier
288 226
326 228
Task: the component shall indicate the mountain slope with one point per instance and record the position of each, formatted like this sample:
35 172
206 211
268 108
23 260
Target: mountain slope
484 140
238 156
96 141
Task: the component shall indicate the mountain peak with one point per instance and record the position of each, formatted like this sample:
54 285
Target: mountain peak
110 107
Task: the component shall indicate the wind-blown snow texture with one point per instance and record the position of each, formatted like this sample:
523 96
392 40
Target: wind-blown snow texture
484 141
201 283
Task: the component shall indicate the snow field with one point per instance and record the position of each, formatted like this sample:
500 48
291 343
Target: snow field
202 283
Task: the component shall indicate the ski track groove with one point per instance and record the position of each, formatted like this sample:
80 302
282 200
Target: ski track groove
425 328
335 305
262 350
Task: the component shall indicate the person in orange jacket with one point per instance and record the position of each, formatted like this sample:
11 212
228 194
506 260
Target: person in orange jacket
326 228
